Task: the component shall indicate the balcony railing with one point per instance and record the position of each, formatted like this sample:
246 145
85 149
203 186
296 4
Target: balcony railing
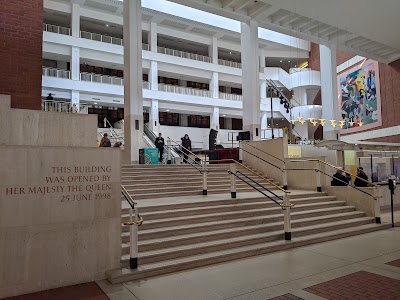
105 79
56 29
184 54
51 72
101 38
59 106
229 63
233 97
145 47
183 90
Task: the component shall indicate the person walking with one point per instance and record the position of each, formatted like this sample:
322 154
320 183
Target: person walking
361 174
186 146
159 142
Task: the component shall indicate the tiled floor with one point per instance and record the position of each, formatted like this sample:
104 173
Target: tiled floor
279 275
88 291
286 297
395 263
360 285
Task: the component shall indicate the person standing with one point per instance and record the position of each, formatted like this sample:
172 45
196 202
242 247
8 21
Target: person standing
186 146
105 141
361 174
159 142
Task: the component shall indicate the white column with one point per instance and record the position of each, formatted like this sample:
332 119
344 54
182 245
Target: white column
213 50
262 59
75 19
75 99
250 79
153 37
263 89
264 120
154 121
133 97
214 122
75 63
214 85
153 76
329 90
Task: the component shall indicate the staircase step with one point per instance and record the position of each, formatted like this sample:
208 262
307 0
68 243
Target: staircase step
310 209
190 262
223 228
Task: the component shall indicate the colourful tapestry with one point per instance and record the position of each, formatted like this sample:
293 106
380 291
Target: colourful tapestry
359 97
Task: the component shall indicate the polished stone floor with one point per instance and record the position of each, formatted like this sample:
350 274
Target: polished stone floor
283 275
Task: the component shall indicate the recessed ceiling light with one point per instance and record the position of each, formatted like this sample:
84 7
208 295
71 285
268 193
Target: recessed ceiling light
230 52
223 115
167 109
295 66
288 61
95 103
280 61
107 25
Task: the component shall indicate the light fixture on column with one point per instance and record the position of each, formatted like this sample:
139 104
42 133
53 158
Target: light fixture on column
301 120
341 124
293 121
322 122
351 124
333 123
360 123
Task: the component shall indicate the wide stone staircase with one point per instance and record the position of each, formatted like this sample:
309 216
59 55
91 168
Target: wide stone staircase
159 181
186 230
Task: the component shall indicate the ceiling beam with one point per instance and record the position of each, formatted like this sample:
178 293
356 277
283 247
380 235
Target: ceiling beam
242 5
257 11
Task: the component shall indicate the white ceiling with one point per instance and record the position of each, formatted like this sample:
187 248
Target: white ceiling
364 27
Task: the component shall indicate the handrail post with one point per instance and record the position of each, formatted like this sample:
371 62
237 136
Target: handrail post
232 169
240 150
204 175
169 152
286 218
377 207
133 254
285 177
319 188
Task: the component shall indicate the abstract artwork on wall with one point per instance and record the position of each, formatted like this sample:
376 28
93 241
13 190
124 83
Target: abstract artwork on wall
359 97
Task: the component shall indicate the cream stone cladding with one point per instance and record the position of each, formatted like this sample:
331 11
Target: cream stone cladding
39 128
60 216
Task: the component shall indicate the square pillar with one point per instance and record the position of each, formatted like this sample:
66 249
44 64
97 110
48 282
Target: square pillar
75 63
214 120
213 50
251 79
153 37
214 85
75 19
329 91
153 76
154 122
75 99
133 84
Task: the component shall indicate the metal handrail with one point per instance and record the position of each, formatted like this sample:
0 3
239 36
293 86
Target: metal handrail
249 184
317 170
262 159
255 173
247 143
179 152
184 148
113 130
332 166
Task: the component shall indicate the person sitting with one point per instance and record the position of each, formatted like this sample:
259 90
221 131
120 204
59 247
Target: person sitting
361 174
339 179
105 141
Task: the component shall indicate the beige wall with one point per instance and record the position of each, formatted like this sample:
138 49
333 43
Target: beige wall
49 235
38 128
276 147
306 179
385 193
356 198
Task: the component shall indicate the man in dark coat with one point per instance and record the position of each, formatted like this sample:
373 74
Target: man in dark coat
361 174
159 142
339 179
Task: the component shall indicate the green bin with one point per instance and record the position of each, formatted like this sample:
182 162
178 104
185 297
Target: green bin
148 156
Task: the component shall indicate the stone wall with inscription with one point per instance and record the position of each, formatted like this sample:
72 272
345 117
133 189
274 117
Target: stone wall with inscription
60 216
